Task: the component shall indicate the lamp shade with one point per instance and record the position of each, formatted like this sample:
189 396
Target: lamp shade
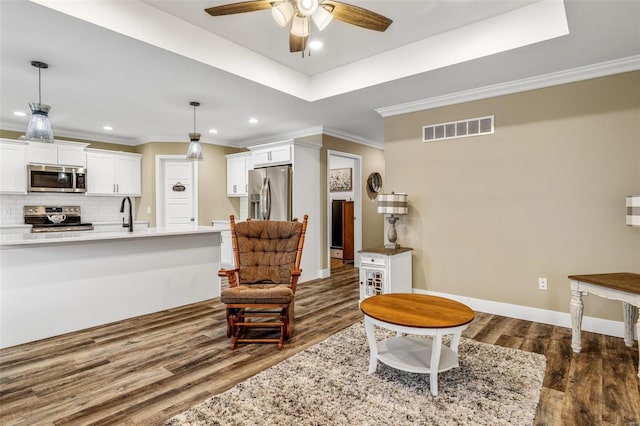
300 26
282 13
322 17
394 204
633 210
195 149
39 127
307 7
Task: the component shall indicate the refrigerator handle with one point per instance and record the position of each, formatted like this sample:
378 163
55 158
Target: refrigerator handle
265 199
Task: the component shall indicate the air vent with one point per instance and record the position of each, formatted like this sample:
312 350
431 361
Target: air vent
458 129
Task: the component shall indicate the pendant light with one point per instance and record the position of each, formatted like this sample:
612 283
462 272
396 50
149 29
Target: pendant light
39 127
195 149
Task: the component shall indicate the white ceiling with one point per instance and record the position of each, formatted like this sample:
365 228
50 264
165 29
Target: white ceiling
136 65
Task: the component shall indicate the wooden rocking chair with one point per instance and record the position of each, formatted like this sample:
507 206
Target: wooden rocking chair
263 284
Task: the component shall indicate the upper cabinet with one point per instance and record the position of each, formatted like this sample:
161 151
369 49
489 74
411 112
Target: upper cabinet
113 173
238 166
13 170
272 156
63 153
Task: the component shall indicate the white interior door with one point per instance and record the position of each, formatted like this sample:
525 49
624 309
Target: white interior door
176 191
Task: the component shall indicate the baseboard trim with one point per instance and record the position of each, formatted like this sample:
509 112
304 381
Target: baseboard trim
545 316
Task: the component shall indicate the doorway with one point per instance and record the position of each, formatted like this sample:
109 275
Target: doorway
176 191
344 208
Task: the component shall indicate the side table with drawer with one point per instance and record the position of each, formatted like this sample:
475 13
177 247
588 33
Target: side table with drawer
384 271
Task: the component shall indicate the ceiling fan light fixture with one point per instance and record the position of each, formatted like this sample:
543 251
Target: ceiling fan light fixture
300 26
282 13
307 7
194 152
322 17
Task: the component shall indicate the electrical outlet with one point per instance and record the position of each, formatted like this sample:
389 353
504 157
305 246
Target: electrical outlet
148 210
542 283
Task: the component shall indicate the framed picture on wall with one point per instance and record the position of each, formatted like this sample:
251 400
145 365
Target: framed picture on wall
340 180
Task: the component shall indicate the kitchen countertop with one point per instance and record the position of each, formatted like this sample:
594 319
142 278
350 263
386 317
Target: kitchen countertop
70 237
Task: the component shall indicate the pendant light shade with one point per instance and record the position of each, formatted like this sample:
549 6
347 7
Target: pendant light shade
39 127
282 13
195 149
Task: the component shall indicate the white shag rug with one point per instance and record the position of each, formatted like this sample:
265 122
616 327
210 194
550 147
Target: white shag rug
328 384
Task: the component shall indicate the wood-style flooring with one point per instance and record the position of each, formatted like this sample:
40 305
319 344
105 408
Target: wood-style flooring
144 370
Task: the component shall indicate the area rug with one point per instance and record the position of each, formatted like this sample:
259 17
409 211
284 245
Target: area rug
328 384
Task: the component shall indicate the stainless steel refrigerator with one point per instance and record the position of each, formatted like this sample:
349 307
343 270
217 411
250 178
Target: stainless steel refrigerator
270 193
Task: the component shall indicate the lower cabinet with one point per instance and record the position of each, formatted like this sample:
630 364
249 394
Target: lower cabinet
385 271
113 173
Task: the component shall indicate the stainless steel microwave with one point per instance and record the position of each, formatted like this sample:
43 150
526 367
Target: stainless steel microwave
49 178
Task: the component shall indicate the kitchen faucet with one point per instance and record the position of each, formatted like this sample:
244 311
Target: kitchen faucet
130 224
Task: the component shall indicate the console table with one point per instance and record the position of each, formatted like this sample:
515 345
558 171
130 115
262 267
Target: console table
622 286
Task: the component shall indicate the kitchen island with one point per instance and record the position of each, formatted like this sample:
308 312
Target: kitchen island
55 283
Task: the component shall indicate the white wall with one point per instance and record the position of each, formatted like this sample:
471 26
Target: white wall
93 209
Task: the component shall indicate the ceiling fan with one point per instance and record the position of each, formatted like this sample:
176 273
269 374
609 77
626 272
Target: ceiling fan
301 12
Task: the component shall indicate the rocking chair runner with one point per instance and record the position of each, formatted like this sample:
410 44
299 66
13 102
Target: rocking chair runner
263 284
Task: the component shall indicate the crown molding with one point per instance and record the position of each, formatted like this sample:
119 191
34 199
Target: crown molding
352 138
602 69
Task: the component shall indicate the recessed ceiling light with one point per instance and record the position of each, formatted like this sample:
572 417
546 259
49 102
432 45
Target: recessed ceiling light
20 113
107 127
315 45
213 131
253 120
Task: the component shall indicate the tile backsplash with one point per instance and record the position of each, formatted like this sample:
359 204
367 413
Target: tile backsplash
94 209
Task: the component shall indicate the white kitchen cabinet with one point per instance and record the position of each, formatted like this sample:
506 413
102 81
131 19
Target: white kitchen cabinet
13 167
238 166
272 156
384 271
113 173
62 153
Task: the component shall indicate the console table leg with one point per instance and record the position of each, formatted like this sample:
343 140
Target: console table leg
638 334
373 344
436 348
629 312
576 306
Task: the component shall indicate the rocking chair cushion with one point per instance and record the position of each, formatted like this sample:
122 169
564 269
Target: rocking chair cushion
258 294
267 250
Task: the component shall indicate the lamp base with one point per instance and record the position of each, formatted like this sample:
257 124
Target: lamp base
391 246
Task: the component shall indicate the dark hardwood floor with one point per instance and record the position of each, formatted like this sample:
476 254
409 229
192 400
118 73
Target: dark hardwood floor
146 369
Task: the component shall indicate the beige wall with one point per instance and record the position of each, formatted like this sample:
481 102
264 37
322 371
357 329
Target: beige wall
372 161
10 134
213 202
542 197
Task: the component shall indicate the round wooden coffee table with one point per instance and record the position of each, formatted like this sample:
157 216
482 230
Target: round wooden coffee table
415 314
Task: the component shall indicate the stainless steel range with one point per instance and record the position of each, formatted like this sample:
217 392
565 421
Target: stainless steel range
55 219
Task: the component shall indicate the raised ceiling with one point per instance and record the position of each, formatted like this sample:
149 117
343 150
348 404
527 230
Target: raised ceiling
136 65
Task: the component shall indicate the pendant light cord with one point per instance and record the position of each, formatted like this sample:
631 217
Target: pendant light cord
194 119
39 87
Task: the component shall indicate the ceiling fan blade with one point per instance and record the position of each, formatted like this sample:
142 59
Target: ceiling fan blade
297 43
242 7
359 16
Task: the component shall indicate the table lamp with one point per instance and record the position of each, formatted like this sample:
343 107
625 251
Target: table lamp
392 205
633 210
